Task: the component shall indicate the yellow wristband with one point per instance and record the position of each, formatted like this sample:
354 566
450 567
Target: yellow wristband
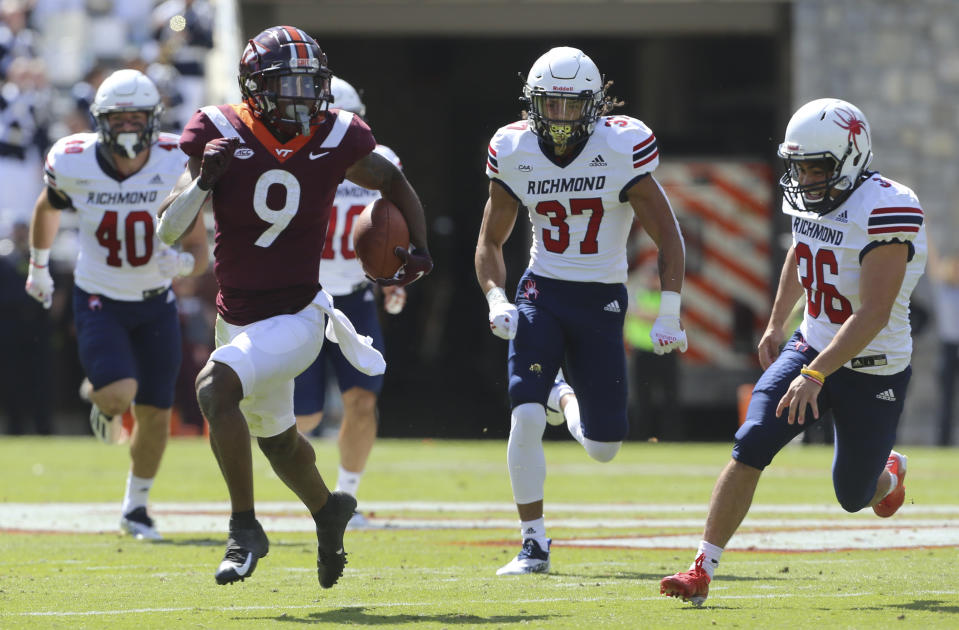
816 374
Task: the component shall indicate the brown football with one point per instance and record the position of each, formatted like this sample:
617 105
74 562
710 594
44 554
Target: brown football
377 232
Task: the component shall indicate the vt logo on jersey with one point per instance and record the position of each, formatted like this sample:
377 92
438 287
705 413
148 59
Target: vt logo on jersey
598 161
283 152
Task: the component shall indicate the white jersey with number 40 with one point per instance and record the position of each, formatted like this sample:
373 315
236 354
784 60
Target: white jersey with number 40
340 269
116 217
579 212
829 250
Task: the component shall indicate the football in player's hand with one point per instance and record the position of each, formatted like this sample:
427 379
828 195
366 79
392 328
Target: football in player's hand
377 232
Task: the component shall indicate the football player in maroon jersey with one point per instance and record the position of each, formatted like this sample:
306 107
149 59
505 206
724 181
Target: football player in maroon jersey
270 167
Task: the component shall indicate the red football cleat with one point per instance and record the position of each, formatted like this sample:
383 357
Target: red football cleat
896 464
692 586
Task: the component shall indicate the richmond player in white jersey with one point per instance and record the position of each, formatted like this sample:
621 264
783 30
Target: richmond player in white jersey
125 311
859 248
341 274
583 175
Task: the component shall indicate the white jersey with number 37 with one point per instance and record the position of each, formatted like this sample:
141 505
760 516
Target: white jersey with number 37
829 251
579 212
117 239
340 269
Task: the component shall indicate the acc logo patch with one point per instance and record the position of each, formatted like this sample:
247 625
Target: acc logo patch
243 153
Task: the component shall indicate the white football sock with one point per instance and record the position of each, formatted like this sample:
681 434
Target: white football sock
348 482
138 491
712 553
524 453
535 530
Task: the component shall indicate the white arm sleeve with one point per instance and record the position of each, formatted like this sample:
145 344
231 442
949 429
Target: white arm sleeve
180 214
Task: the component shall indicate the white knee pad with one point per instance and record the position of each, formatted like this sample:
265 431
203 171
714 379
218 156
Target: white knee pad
524 452
601 451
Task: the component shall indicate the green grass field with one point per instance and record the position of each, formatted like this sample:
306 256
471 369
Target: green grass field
451 527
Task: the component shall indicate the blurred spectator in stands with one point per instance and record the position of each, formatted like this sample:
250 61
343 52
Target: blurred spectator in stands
25 351
943 273
24 108
184 31
167 80
16 39
136 14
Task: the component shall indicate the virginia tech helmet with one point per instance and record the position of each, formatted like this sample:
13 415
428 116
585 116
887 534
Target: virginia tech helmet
564 96
284 78
127 91
832 131
346 97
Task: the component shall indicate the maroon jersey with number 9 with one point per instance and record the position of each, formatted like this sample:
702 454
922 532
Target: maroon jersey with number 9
272 206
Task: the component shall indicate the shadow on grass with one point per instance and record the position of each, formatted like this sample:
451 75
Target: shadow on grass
359 616
931 605
219 542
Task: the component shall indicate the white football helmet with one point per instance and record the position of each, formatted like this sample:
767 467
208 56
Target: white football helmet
827 129
127 91
564 96
346 97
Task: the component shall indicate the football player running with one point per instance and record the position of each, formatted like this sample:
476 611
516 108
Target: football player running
858 250
584 175
341 274
127 327
270 167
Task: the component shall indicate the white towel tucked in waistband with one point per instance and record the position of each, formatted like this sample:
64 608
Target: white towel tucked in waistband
358 349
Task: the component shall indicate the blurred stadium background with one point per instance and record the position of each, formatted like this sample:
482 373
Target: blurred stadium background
715 79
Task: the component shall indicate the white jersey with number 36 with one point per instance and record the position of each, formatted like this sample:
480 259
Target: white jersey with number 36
829 251
340 269
117 218
579 212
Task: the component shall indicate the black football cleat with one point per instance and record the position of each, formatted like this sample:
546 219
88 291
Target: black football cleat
243 548
332 522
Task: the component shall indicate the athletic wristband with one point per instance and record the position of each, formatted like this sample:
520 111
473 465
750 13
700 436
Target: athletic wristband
813 375
495 296
181 212
669 304
39 257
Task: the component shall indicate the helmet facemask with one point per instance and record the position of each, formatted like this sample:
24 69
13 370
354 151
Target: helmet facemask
561 119
289 99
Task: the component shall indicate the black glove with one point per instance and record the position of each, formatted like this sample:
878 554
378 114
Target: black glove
416 264
217 155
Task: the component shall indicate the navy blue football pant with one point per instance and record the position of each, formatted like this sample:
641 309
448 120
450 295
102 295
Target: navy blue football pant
583 322
866 410
118 339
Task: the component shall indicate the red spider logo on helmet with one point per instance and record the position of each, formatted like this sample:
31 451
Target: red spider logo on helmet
849 122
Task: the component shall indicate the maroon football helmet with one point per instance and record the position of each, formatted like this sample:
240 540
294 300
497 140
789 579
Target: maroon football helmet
284 79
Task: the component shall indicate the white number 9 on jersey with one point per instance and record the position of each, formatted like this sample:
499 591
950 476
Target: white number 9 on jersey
281 217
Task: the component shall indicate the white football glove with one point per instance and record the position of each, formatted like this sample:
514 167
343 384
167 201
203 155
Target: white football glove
394 299
503 316
667 333
39 281
172 263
